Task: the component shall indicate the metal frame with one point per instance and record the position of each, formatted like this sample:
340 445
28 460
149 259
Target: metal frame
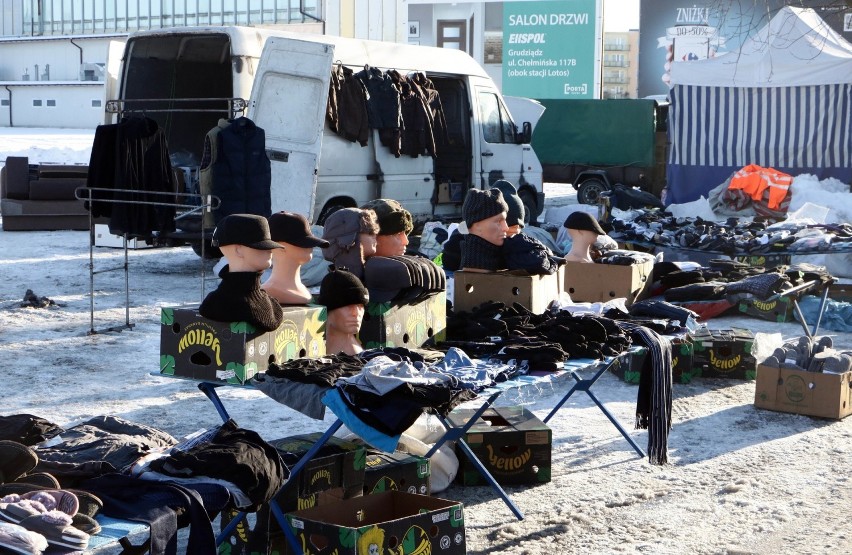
208 203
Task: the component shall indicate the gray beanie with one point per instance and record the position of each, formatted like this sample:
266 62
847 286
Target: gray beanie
516 205
480 205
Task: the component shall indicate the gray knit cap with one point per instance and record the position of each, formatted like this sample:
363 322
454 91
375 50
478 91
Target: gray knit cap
480 205
516 205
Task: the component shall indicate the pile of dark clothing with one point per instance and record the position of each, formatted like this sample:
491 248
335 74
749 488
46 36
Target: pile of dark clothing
733 236
100 461
732 280
405 109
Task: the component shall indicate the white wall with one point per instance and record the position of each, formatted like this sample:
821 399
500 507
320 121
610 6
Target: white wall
73 105
61 55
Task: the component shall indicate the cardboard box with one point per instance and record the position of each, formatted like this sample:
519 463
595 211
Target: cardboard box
681 363
603 282
449 192
103 238
396 472
511 442
411 326
334 474
779 310
470 289
723 354
802 392
389 522
768 261
192 346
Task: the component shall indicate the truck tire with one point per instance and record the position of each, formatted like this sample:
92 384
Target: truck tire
330 209
589 191
530 207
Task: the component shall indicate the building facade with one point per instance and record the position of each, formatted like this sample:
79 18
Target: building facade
620 65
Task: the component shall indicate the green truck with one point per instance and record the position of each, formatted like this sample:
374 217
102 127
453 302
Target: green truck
595 144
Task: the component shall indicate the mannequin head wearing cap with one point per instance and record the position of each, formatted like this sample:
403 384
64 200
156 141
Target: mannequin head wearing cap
344 296
245 242
395 224
484 213
584 230
516 212
293 233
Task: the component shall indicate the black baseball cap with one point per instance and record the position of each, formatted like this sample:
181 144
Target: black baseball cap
289 227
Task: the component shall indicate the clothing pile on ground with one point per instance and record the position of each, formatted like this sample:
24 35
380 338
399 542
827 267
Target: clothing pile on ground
732 237
126 470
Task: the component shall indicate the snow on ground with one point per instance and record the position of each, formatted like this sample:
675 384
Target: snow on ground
740 480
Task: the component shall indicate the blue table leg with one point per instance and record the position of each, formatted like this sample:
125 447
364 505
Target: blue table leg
209 389
474 460
586 385
453 433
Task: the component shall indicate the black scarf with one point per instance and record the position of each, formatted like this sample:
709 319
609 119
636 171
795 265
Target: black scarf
239 298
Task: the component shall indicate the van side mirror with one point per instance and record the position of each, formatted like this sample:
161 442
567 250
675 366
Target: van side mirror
525 136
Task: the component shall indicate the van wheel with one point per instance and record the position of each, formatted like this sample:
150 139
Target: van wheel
530 207
210 252
327 211
590 190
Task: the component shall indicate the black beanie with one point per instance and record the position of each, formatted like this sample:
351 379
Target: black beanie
341 288
515 215
480 205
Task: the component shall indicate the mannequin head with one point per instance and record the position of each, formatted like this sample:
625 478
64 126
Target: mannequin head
344 296
293 233
351 233
245 242
584 230
395 223
515 214
485 212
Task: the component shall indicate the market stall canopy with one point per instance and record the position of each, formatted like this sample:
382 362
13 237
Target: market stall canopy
796 47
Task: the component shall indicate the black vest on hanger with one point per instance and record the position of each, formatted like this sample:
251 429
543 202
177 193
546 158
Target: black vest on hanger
241 170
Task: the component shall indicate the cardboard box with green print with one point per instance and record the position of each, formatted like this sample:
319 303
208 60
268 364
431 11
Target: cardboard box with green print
396 471
411 325
192 346
387 522
778 310
511 442
723 353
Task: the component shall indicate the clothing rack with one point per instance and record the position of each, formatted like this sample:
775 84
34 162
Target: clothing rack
206 203
234 106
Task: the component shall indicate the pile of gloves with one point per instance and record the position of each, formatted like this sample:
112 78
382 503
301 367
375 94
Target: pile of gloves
813 355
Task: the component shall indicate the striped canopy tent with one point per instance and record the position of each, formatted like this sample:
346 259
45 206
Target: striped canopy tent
783 100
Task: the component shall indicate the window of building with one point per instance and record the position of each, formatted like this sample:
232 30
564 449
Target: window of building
96 103
51 102
4 102
36 102
452 33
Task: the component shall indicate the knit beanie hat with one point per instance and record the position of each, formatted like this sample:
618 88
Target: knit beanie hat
516 205
480 205
341 288
583 221
392 217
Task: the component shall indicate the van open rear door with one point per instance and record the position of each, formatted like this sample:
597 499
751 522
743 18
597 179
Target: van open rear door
288 101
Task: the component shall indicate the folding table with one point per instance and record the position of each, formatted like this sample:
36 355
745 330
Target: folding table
451 433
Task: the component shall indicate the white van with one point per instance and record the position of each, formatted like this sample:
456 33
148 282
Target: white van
187 78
